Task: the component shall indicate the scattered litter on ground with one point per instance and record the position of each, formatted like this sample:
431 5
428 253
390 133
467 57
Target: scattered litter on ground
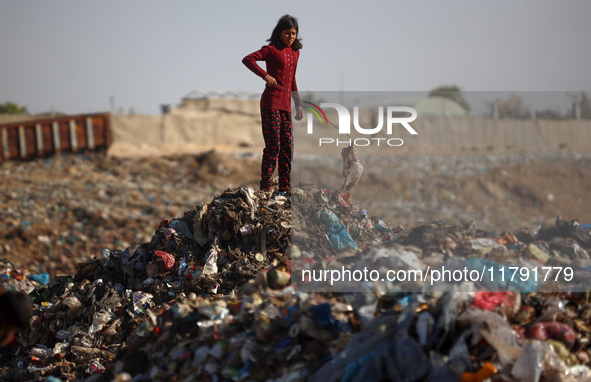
209 297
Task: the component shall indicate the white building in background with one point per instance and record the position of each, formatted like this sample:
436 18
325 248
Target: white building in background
226 101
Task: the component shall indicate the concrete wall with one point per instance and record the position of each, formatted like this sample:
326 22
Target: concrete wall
204 122
477 133
231 121
219 127
464 134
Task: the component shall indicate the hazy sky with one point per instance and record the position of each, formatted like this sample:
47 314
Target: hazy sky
72 56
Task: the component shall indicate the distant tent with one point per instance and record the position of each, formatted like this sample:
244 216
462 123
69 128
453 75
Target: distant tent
439 106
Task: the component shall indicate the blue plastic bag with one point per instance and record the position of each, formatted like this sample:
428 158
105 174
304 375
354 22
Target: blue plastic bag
505 276
329 218
340 239
41 278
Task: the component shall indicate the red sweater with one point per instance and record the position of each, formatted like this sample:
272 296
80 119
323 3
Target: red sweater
281 64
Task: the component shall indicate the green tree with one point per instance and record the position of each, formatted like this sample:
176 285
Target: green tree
12 108
452 92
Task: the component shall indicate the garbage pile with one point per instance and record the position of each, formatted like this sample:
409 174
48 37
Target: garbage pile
65 209
209 298
333 234
328 223
212 249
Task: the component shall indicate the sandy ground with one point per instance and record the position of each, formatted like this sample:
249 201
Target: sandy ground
63 210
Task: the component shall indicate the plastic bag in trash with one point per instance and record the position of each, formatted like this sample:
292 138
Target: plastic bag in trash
181 226
322 314
341 239
167 258
329 218
211 266
508 302
402 359
41 278
528 367
501 275
554 330
496 331
99 320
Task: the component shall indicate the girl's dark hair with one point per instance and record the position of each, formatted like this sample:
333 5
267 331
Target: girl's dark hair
286 22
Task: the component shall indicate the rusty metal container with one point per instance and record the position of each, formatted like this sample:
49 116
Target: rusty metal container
50 135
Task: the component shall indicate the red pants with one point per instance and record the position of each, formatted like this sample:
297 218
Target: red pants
277 131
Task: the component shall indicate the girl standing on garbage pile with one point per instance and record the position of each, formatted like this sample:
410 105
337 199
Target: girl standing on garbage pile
281 58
